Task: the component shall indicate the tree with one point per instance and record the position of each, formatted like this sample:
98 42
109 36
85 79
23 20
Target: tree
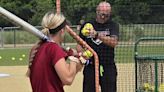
75 10
123 11
40 7
138 11
21 8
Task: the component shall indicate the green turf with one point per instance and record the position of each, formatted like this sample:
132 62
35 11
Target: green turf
7 54
124 54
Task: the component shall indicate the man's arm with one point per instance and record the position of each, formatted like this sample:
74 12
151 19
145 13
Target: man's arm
112 39
108 40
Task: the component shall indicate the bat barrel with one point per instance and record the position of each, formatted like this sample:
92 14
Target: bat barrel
26 26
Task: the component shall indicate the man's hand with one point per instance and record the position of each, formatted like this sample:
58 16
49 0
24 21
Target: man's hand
88 30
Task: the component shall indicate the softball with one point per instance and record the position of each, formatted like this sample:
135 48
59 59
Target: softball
146 86
23 55
152 88
0 57
87 54
20 59
85 32
13 58
87 27
161 88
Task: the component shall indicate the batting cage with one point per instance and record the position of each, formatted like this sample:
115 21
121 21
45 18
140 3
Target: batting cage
149 64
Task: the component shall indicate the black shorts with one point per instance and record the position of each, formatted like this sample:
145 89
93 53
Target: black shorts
107 81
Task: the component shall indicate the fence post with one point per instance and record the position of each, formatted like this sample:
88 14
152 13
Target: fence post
14 34
14 39
1 35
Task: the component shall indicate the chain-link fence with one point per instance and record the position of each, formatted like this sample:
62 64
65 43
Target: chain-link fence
15 37
125 51
136 20
149 63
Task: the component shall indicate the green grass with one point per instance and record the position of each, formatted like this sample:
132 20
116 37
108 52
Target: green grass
7 55
124 54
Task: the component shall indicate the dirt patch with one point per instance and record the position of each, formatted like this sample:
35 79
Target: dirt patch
18 82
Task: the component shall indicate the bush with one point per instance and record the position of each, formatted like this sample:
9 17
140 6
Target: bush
19 37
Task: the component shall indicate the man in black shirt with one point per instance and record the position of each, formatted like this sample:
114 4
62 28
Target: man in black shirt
103 38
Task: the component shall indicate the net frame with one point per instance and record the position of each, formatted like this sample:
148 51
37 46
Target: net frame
148 66
83 44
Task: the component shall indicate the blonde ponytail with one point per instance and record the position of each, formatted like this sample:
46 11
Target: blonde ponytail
46 31
49 21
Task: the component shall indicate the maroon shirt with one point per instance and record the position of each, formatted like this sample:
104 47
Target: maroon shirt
43 76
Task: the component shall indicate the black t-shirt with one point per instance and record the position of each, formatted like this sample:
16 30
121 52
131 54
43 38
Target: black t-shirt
105 52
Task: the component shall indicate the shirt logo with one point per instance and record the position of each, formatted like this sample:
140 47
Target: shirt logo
96 41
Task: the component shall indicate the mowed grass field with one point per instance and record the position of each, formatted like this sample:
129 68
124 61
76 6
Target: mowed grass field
123 54
14 56
19 56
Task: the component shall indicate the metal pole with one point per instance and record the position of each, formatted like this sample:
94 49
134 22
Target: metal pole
14 39
1 36
156 76
2 40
